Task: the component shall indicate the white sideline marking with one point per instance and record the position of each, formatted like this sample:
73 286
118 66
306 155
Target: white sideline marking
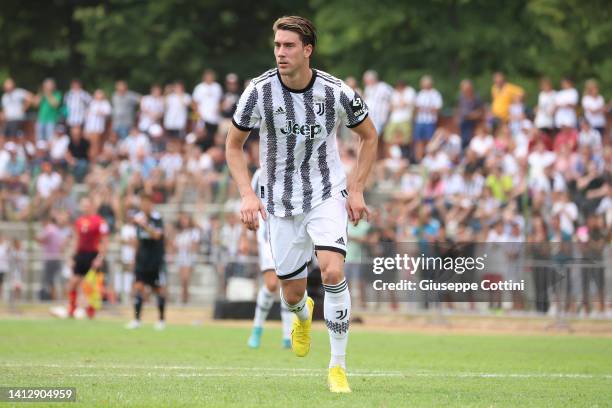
281 372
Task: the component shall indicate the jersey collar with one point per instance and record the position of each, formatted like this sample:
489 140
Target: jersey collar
310 84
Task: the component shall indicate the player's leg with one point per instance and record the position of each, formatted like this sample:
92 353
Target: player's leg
292 250
327 226
82 263
160 291
138 290
265 300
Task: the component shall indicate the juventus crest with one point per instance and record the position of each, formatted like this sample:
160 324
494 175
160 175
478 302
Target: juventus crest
320 108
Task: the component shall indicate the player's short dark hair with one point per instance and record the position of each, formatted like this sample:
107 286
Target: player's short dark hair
300 25
146 197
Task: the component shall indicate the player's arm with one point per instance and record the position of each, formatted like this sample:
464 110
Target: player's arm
156 232
251 204
102 246
366 156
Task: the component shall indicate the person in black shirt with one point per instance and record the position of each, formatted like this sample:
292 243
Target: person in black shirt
149 267
78 154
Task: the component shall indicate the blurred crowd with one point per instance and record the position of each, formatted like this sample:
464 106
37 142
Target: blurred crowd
486 168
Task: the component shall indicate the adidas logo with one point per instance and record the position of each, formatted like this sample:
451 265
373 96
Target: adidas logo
340 241
279 111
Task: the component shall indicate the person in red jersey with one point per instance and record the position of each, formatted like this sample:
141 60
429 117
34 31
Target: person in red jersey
91 239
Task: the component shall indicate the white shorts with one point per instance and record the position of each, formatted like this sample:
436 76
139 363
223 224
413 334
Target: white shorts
266 262
293 239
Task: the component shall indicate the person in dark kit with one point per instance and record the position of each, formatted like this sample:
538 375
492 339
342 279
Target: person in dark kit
149 269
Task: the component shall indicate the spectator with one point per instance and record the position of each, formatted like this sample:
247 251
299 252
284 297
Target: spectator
516 114
378 96
185 248
177 108
545 111
4 261
47 182
566 210
589 136
135 141
207 97
124 108
428 103
95 123
58 146
594 106
15 103
399 129
76 101
470 111
77 155
482 144
502 94
229 101
52 238
151 109
565 101
49 101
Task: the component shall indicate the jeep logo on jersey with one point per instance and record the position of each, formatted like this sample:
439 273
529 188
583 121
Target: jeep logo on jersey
310 131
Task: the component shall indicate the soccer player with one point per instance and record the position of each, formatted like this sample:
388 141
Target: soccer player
303 189
149 267
265 296
91 235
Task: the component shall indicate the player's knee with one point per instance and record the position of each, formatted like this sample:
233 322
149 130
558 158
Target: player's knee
332 275
292 298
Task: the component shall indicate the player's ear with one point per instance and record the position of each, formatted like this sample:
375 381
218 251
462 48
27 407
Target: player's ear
308 49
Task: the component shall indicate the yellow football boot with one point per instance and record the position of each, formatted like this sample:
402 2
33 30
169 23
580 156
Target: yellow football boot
336 380
300 335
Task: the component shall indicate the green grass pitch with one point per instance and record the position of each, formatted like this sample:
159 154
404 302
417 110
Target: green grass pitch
210 365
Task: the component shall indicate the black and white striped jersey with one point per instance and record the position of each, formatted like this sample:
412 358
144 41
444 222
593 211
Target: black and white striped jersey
262 231
298 152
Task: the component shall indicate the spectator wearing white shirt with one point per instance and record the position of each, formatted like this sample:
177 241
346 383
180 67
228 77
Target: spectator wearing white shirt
151 109
594 106
47 183
399 129
15 103
207 97
177 109
76 99
566 101
95 122
378 95
482 143
566 210
545 111
58 146
135 141
428 103
589 136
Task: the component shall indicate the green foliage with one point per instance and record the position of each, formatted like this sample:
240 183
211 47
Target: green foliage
162 40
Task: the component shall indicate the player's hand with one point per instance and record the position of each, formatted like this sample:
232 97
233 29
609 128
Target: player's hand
97 263
356 207
251 205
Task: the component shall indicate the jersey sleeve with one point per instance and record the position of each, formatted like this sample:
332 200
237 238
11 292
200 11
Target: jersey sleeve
247 114
352 108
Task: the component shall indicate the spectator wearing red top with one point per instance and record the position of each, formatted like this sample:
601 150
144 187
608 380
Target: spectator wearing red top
91 238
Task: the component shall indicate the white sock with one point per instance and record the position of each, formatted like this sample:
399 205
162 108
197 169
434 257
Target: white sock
337 313
287 319
265 300
300 308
